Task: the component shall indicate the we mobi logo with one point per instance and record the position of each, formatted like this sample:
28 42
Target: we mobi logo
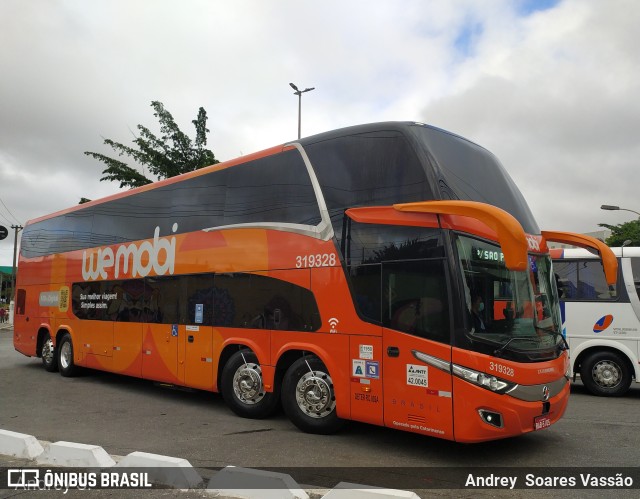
159 255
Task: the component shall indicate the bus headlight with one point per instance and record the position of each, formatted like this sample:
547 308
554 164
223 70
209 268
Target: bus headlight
482 379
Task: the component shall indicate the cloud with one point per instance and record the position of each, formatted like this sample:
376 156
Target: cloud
549 87
556 106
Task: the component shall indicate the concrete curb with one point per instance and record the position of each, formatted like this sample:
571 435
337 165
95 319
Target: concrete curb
19 445
346 490
73 454
165 470
248 483
230 482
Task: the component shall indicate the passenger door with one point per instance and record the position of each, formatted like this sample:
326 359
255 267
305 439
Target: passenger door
416 347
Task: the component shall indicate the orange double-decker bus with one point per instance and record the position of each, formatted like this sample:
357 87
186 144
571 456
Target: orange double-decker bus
384 273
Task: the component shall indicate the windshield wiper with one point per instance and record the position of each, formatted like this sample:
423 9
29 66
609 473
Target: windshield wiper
555 335
498 351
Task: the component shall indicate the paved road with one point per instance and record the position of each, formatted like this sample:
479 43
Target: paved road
125 414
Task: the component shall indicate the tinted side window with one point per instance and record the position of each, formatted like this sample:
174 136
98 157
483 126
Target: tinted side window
592 284
366 288
566 279
415 299
370 169
165 300
120 300
635 266
21 300
582 280
372 243
84 299
192 204
272 189
396 275
261 302
199 299
475 174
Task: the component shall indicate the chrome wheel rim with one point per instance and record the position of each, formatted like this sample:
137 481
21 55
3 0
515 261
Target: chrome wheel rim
247 384
48 351
607 374
65 355
314 394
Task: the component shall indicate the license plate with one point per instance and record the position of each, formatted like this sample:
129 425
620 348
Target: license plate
541 422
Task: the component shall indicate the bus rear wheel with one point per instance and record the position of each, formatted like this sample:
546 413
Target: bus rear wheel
48 354
308 397
66 365
242 387
606 374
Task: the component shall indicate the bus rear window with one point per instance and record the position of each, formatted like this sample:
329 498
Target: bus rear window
21 300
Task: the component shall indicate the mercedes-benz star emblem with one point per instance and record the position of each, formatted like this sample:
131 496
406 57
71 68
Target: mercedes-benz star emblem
545 393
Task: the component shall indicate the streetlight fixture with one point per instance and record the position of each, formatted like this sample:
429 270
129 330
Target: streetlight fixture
299 94
616 208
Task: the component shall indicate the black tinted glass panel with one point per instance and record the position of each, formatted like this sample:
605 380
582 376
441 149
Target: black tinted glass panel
261 302
166 299
582 280
473 173
273 189
566 274
371 243
635 266
378 168
414 299
366 290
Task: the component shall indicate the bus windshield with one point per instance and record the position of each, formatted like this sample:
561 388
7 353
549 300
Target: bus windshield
510 314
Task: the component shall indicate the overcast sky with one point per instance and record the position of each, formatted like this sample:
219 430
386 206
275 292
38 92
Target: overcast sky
551 87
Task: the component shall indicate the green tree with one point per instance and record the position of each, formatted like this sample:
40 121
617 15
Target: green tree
623 232
166 156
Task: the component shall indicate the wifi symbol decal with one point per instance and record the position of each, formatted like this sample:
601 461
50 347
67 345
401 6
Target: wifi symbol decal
333 323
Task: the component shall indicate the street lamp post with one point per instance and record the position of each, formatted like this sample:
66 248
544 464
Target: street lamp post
16 228
616 208
299 94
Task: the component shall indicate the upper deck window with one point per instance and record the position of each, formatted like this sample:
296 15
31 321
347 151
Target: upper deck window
275 189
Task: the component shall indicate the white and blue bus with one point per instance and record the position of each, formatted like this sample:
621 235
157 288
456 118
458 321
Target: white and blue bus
601 322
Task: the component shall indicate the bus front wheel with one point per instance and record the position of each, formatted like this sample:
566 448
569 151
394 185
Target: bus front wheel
242 387
65 356
606 374
308 397
48 354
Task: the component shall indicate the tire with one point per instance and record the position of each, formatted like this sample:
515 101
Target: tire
49 355
66 365
606 374
308 398
242 387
